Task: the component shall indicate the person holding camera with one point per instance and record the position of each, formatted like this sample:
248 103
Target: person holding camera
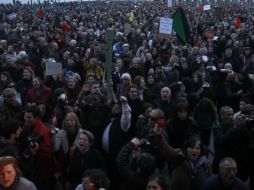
36 140
135 165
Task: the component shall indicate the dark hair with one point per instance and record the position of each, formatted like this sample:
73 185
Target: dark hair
34 110
137 80
160 180
146 164
98 177
244 99
196 86
248 109
182 105
9 127
206 105
145 106
192 141
39 79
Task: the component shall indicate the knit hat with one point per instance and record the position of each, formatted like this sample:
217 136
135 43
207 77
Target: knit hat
8 92
126 76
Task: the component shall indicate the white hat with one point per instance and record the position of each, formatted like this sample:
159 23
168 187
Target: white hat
126 76
126 45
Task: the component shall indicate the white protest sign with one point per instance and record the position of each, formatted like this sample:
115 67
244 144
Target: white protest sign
12 16
53 67
166 25
170 3
207 7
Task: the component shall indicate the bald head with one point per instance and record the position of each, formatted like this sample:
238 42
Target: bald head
165 94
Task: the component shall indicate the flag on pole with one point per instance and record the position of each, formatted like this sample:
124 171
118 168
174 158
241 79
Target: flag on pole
238 22
200 8
56 22
180 25
40 11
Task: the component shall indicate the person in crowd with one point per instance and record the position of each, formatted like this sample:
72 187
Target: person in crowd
135 169
226 179
10 131
157 182
181 126
72 90
25 83
205 114
189 166
233 91
10 107
143 121
220 132
5 78
144 92
242 105
136 68
11 176
115 136
83 157
94 179
37 144
135 104
38 92
153 87
67 137
124 87
94 114
164 102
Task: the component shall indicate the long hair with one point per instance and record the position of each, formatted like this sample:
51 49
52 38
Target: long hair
206 105
75 117
180 106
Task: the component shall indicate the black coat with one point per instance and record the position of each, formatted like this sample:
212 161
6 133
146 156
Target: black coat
79 163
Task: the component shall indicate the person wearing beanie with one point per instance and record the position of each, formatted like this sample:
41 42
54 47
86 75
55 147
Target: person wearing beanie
10 107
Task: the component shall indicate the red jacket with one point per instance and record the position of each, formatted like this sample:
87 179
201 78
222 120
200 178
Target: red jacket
46 164
43 96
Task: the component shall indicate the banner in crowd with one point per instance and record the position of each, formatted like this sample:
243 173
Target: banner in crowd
53 68
166 25
170 3
207 7
12 16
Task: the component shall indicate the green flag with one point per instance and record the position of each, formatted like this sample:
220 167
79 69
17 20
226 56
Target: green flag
56 23
180 25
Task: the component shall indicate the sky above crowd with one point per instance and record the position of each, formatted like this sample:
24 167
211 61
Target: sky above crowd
25 1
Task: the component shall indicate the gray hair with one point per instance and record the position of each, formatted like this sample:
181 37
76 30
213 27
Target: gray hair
226 160
224 109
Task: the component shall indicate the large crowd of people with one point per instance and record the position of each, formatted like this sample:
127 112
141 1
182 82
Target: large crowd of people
165 114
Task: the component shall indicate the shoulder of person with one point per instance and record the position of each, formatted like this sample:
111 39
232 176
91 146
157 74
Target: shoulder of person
25 184
211 181
240 184
79 187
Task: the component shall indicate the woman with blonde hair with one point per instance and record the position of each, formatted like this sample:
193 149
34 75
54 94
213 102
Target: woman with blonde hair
67 136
